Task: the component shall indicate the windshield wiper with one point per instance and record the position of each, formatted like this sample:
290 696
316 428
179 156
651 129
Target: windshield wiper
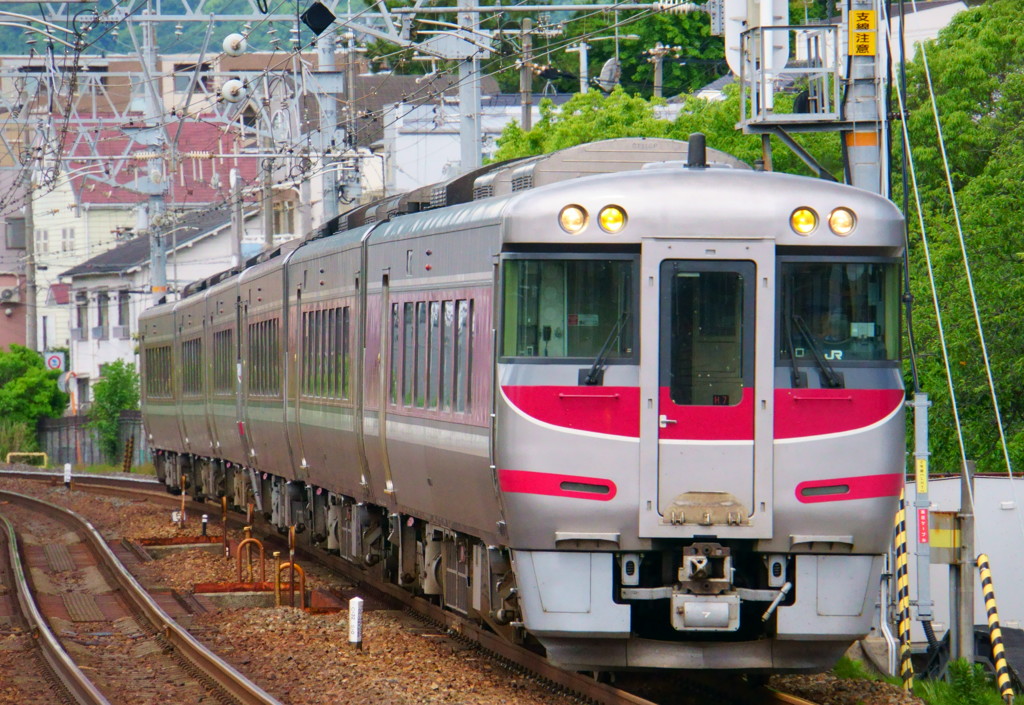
595 376
832 380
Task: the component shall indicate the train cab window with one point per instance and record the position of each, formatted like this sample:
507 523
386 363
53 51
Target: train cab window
569 308
840 311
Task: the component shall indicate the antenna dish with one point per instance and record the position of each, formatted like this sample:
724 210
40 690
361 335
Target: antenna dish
610 74
234 44
233 91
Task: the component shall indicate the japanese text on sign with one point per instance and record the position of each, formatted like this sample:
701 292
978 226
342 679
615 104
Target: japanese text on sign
863 33
922 526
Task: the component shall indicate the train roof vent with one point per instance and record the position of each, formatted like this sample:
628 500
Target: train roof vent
522 182
482 191
438 196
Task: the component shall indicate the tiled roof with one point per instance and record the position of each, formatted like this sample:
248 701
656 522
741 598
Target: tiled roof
196 181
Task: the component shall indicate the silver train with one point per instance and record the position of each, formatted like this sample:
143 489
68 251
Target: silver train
632 400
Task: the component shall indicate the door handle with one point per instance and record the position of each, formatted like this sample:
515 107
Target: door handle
664 421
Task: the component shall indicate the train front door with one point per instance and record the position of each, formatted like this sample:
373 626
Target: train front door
702 403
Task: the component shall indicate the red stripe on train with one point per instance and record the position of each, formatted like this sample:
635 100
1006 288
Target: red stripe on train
840 489
814 412
556 485
615 411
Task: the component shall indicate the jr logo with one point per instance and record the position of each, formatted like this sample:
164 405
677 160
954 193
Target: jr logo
834 355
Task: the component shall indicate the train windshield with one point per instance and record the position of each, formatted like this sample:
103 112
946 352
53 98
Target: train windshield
568 308
839 311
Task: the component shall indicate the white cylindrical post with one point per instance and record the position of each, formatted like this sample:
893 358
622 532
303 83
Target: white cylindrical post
206 518
355 622
67 474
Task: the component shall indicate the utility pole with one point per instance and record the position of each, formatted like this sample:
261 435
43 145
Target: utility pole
157 247
469 96
237 218
526 75
657 56
267 167
581 49
328 122
31 336
962 574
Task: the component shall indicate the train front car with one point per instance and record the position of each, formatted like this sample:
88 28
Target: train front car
699 418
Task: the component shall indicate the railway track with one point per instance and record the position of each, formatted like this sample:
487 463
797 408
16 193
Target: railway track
104 638
581 686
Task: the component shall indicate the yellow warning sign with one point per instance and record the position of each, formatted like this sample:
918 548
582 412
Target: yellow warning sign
863 43
863 21
863 31
921 474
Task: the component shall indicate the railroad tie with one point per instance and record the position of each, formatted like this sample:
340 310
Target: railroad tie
82 607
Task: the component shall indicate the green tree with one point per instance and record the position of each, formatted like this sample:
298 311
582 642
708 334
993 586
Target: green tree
116 391
976 69
28 391
591 116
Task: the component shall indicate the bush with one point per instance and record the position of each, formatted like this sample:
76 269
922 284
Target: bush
967 685
16 437
117 391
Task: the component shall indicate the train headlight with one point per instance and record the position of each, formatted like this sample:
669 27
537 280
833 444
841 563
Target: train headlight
612 219
804 221
573 219
842 221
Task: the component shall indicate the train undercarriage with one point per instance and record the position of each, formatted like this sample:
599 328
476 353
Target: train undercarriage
694 605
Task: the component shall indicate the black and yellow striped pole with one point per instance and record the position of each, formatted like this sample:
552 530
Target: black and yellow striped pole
903 595
995 634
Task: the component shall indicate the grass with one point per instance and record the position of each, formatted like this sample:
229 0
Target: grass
966 685
102 469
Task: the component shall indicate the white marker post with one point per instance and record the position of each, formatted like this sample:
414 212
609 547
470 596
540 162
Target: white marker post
67 475
355 622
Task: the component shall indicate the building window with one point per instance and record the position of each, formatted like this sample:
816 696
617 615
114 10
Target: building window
82 315
284 218
103 310
67 239
42 241
183 76
123 310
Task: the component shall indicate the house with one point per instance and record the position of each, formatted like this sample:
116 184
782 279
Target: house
12 261
107 292
91 207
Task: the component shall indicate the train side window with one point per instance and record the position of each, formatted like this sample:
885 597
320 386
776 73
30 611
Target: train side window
447 355
421 354
346 363
409 355
307 355
396 342
433 367
192 366
222 348
462 352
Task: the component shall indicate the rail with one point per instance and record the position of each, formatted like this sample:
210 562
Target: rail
207 662
57 659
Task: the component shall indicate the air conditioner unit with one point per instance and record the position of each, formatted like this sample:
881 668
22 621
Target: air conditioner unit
10 295
99 333
79 334
121 332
